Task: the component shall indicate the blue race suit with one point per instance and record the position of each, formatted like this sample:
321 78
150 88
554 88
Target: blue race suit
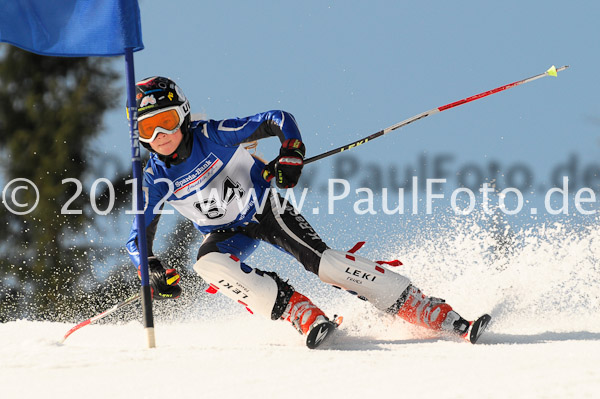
218 185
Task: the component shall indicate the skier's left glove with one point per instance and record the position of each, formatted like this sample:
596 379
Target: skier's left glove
287 167
163 282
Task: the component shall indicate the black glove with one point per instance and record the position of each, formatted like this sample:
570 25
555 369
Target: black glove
163 282
287 167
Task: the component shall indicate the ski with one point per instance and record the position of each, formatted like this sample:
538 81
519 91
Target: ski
320 332
94 319
478 327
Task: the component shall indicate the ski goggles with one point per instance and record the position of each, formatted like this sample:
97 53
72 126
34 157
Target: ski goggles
166 120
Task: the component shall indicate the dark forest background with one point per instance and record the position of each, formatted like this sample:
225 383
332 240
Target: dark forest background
51 109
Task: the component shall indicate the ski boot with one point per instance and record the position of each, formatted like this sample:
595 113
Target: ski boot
309 320
435 314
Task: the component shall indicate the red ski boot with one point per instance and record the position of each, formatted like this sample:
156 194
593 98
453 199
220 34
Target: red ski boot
431 313
309 320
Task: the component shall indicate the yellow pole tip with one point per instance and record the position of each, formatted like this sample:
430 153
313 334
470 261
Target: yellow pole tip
552 71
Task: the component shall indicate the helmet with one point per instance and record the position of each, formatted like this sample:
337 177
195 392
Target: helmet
157 94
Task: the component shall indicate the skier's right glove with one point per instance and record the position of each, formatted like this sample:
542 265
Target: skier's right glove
163 282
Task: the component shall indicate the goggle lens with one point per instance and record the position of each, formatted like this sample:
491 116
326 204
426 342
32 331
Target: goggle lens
167 120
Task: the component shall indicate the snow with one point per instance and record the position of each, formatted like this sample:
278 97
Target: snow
544 340
243 358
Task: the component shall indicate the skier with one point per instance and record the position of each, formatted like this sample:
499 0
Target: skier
204 172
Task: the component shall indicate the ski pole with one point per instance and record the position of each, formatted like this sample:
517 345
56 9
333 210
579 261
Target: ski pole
552 71
94 319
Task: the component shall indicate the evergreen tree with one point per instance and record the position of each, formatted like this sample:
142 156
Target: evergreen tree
50 109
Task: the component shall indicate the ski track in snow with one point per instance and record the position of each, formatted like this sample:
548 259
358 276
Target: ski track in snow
544 340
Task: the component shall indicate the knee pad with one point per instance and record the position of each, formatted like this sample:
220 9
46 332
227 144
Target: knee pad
257 290
362 277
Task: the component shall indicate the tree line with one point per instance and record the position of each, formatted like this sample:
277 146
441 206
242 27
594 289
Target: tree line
51 110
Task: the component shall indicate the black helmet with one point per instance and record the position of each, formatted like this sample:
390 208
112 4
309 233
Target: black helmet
158 94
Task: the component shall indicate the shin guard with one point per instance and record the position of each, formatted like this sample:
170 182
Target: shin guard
261 292
362 277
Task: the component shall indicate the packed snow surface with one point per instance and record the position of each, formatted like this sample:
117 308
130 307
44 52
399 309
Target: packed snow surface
544 340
